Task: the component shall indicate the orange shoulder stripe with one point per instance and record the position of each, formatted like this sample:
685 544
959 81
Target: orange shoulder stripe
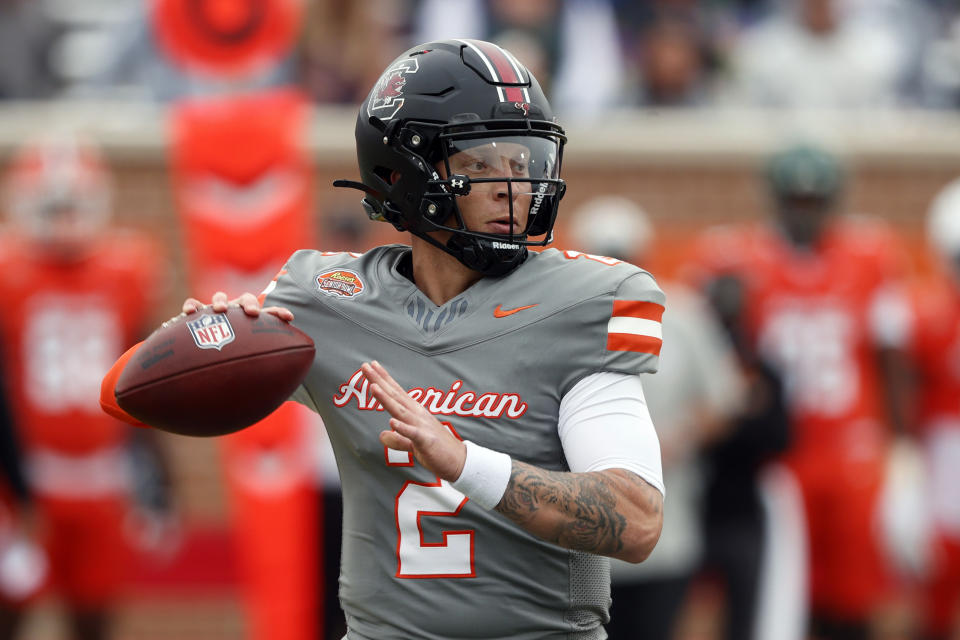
273 283
638 309
631 342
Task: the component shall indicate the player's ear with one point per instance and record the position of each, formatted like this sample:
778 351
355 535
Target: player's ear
394 176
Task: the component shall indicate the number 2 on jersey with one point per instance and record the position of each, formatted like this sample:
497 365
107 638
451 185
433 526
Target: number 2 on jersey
452 557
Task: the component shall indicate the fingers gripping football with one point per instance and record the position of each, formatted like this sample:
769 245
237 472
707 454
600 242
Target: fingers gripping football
414 428
247 301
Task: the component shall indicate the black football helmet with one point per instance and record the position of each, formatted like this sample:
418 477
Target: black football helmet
805 182
442 98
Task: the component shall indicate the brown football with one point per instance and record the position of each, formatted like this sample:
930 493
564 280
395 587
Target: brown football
207 374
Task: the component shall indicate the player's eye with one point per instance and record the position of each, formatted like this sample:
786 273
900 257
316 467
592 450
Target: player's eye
476 166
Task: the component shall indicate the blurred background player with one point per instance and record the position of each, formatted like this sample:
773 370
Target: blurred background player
75 293
692 399
23 565
935 347
820 307
745 548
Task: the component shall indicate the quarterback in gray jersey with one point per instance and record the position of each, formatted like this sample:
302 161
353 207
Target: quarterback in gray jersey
482 400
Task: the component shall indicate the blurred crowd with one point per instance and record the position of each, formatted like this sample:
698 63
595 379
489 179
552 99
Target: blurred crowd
590 55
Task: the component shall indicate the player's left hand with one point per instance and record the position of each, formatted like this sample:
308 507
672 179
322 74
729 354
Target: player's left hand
414 428
247 301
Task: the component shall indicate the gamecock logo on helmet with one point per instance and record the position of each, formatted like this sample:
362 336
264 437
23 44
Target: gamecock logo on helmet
386 99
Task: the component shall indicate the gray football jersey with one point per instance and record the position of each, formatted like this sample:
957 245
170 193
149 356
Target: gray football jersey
419 559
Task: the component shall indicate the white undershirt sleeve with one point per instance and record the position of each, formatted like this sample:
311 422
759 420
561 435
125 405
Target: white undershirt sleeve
604 424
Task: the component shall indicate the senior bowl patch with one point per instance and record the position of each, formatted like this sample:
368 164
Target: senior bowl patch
341 283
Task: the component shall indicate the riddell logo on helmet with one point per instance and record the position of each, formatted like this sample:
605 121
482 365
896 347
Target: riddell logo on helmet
538 199
387 99
341 283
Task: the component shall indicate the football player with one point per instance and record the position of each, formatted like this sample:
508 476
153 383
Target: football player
483 400
820 305
75 293
22 562
935 347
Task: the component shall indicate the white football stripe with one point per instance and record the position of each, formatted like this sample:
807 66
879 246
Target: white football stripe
636 326
493 71
486 61
516 69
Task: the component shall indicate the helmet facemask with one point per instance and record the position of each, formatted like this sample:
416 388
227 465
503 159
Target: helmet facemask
511 177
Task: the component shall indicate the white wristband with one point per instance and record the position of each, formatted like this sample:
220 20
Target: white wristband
485 475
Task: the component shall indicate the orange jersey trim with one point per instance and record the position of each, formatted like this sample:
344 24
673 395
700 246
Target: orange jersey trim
631 342
638 309
640 339
273 283
108 398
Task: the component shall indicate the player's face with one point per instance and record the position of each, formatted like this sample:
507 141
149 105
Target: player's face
64 229
497 207
803 219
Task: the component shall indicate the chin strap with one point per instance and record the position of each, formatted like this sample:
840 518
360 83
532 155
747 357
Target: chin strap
483 255
480 254
489 257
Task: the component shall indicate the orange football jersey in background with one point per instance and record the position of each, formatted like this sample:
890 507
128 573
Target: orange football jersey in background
66 321
819 316
65 324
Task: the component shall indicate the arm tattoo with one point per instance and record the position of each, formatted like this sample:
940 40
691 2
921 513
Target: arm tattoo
653 497
588 501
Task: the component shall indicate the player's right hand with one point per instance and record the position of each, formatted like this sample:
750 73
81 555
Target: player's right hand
413 428
247 301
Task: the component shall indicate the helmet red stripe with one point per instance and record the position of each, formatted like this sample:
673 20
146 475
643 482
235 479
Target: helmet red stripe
513 94
508 75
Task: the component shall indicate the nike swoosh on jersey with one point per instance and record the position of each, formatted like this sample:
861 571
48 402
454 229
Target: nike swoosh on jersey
503 313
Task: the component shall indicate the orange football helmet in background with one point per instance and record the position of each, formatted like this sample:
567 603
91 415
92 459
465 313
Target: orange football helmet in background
58 194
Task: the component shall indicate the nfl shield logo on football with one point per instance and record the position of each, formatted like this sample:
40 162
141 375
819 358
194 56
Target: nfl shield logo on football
211 331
